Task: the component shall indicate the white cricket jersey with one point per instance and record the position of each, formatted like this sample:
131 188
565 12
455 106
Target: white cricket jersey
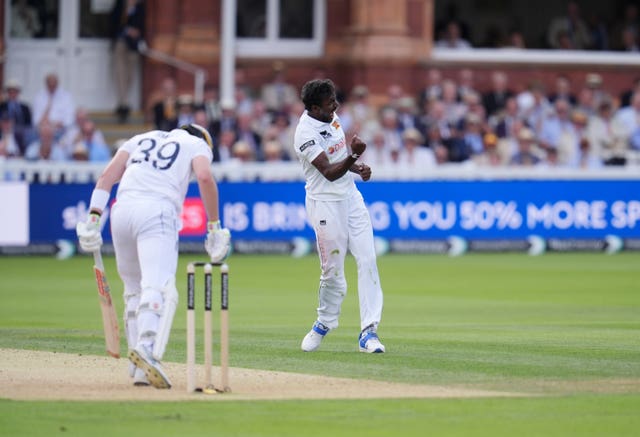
159 165
312 138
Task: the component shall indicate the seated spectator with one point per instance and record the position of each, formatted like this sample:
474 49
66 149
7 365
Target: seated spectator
46 147
278 94
247 135
357 112
242 152
377 153
451 39
210 103
53 105
558 131
222 150
406 114
457 147
569 31
74 132
562 90
502 122
630 41
625 97
495 99
454 111
628 119
9 144
473 134
534 107
274 152
165 112
390 129
551 160
489 157
466 84
228 118
185 109
606 136
526 155
585 158
414 155
19 112
432 89
92 142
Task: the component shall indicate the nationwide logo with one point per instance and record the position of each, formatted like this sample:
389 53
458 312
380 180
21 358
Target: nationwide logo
336 147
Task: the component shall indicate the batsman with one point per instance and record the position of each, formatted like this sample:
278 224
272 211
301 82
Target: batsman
153 170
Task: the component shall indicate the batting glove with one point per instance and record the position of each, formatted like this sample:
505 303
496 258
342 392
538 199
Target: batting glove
218 242
89 234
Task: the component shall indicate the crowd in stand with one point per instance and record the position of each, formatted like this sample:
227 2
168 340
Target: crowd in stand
449 121
574 29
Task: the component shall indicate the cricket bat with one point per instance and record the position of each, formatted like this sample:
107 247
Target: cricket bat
109 318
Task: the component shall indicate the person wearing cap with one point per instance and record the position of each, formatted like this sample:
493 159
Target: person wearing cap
490 156
414 155
19 112
9 147
525 156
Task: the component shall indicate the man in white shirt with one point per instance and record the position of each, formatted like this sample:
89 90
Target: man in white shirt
54 105
339 217
154 169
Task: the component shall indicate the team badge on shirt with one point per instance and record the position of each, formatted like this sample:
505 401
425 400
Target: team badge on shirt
335 124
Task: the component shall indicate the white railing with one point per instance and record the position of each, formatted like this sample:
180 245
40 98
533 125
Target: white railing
199 73
82 172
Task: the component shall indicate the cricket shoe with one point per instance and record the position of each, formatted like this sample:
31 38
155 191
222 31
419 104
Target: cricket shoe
312 340
142 358
138 376
369 342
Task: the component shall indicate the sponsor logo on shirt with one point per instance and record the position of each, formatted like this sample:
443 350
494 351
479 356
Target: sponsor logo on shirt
307 144
336 147
325 134
335 124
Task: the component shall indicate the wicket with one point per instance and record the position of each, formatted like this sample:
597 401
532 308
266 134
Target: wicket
208 329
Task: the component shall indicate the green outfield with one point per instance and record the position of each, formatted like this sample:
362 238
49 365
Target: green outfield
560 330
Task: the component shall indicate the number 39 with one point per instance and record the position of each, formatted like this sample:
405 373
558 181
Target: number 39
161 158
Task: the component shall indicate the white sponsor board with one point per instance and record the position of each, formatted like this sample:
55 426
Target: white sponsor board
14 214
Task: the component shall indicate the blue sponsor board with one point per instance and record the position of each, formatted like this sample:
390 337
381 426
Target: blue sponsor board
430 210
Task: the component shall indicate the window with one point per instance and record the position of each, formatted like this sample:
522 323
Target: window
283 28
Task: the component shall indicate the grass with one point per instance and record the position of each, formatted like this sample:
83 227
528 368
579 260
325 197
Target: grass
560 325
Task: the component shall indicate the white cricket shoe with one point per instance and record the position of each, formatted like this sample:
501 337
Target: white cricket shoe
142 358
312 340
138 376
369 342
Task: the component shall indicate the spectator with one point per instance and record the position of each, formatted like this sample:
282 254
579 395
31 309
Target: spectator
489 157
185 109
92 142
414 155
451 39
378 150
473 135
525 156
454 111
406 114
594 82
389 127
625 98
550 161
606 136
165 113
629 121
585 158
278 94
274 152
25 22
503 122
357 112
628 28
211 103
246 135
515 40
586 101
260 117
285 131
569 31
228 118
46 147
558 132
562 90
630 41
9 144
437 144
74 132
242 152
432 89
226 140
536 109
127 31
466 84
54 106
20 113
495 99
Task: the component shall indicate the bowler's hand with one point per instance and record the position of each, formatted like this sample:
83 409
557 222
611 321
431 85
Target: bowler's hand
364 171
357 145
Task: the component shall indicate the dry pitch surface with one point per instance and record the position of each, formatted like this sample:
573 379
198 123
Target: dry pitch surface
36 375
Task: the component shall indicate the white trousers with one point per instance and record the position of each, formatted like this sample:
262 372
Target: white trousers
145 240
341 226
